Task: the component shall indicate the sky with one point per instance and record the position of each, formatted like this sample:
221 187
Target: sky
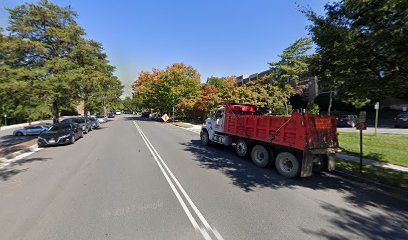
217 37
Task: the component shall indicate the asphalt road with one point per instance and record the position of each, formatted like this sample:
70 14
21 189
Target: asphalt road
149 180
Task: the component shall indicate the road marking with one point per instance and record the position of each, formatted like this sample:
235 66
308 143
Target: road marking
166 172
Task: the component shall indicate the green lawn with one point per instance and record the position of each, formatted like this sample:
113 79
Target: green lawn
377 174
383 147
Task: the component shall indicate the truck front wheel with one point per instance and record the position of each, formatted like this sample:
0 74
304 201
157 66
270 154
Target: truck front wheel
242 148
260 156
205 140
287 164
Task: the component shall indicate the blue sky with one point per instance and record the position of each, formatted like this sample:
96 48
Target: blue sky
217 37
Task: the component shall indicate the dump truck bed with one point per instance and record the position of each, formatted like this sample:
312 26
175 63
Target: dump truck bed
298 131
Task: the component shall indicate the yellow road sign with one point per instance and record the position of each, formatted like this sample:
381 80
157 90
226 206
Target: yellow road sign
165 117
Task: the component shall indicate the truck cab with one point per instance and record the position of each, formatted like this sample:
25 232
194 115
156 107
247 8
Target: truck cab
213 130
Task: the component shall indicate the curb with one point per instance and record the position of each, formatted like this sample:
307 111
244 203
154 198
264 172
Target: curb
386 189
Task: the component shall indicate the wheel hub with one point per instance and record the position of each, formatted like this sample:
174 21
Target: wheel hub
287 165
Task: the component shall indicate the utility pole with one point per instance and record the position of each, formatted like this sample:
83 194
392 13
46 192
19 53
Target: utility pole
376 107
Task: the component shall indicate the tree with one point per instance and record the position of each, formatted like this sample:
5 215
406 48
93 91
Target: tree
362 49
18 79
292 67
162 89
54 31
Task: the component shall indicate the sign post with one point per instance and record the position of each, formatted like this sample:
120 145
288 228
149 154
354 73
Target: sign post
376 107
361 125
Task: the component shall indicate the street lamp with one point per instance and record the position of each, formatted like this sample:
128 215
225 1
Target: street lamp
5 119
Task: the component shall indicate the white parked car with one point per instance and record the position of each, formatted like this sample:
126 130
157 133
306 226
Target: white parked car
117 112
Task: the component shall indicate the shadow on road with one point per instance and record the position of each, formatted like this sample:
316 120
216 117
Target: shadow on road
13 169
11 140
377 225
391 221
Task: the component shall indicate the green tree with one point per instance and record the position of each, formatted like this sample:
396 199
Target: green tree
362 49
292 67
18 79
54 31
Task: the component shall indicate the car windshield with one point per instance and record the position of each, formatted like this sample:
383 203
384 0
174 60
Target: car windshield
59 127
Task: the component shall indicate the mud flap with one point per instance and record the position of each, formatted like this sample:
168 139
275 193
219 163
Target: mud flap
307 164
331 162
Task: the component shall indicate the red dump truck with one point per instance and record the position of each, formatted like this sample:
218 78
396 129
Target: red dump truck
297 144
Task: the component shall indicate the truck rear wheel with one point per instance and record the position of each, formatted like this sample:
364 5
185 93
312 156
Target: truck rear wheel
260 156
242 148
319 163
205 140
287 164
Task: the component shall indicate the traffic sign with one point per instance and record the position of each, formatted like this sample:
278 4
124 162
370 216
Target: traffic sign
165 117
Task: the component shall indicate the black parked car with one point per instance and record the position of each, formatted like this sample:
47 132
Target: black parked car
94 122
60 134
111 115
401 120
83 123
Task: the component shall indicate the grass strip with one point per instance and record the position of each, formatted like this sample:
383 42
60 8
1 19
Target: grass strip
373 173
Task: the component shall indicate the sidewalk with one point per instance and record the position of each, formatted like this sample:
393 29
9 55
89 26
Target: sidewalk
349 158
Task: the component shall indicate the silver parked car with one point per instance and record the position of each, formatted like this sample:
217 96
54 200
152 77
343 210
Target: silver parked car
31 130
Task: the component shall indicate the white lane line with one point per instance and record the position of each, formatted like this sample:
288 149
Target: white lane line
191 203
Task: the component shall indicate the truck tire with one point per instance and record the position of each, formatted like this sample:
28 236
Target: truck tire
287 164
205 139
319 164
260 156
242 148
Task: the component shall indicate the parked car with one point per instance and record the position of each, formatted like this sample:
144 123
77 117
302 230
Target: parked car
145 112
118 112
101 119
83 123
60 134
31 130
94 123
111 115
347 121
401 120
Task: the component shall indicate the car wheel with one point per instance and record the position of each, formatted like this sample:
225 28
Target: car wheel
260 156
72 139
287 164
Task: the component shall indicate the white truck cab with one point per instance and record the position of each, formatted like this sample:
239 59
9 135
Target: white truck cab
213 130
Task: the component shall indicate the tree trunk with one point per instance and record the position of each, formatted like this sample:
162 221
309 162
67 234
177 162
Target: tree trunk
55 111
86 107
330 102
286 108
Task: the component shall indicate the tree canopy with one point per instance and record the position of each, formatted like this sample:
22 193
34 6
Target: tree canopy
362 49
48 65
